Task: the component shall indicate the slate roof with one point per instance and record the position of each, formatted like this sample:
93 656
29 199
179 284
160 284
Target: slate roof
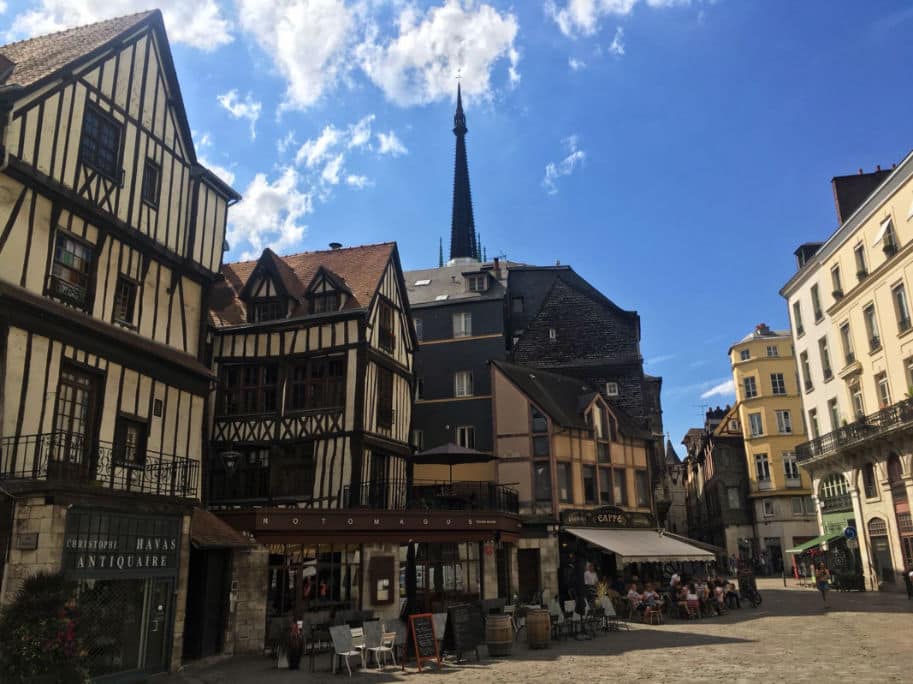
560 396
851 191
359 268
450 281
671 457
36 58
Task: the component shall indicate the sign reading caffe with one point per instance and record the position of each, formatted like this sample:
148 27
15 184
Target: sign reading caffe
607 516
107 544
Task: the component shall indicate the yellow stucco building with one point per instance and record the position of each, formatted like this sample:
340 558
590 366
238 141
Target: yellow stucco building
769 410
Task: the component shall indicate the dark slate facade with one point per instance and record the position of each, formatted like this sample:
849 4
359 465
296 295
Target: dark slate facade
558 321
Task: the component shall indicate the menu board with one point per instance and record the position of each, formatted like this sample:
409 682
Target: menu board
464 629
424 641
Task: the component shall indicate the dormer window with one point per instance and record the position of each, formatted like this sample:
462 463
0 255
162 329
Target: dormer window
324 302
477 283
267 310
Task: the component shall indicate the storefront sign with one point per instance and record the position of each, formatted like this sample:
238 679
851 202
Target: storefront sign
607 516
107 544
27 541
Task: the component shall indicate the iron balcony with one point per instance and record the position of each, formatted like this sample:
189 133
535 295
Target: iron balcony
888 420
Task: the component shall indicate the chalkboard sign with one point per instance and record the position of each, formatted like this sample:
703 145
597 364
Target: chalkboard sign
464 629
424 641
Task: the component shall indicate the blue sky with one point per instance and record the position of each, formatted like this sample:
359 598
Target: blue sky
674 152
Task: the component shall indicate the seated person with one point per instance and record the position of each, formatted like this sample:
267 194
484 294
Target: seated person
691 599
719 598
636 599
732 596
650 597
681 598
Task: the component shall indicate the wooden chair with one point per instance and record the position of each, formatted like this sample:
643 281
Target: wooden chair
343 648
694 609
653 615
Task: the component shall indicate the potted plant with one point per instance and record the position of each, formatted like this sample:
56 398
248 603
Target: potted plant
40 629
294 645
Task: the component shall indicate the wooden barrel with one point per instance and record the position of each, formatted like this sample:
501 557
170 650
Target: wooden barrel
538 628
499 634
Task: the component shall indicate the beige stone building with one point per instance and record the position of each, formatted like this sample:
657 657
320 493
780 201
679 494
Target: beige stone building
769 414
851 327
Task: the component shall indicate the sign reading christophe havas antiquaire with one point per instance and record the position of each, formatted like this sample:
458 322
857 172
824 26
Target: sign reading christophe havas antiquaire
100 543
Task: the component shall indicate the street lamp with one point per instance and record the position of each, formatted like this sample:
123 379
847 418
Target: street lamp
230 460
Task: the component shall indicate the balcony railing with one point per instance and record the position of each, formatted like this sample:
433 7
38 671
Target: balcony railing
873 425
396 495
71 459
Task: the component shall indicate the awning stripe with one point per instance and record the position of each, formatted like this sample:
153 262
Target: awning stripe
812 543
641 546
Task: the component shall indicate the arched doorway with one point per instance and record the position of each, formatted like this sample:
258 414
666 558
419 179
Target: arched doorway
901 509
881 550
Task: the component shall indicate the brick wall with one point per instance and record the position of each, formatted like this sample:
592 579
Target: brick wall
49 521
245 628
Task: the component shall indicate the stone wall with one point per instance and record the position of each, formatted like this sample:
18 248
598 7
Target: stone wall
180 597
33 515
245 627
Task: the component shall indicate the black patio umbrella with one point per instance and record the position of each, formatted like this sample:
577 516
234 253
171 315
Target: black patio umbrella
450 454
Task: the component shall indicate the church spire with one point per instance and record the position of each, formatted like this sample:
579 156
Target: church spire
462 226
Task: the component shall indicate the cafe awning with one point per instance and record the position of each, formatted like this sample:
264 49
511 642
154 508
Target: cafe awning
641 546
812 543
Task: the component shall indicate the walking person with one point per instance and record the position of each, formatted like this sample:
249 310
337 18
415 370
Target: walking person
822 581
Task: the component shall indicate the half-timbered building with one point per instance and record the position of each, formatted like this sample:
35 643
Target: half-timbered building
111 236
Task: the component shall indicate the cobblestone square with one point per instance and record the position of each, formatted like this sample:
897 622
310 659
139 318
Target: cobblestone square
862 638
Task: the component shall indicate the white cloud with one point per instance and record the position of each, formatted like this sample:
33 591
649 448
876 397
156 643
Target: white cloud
582 17
390 144
618 42
199 23
659 359
724 389
554 171
308 41
576 64
285 142
330 173
248 108
360 133
315 150
420 63
270 215
2 6
226 175
357 181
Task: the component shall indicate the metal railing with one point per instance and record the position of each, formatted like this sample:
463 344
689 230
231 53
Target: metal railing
71 458
873 425
398 495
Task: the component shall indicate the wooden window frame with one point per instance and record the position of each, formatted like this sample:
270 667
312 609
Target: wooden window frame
275 304
384 398
463 389
260 389
465 327
641 501
777 384
91 159
89 274
122 423
319 302
307 375
564 467
620 478
593 496
126 321
151 189
386 335
466 431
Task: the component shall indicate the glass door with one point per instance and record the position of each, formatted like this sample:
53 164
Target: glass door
70 450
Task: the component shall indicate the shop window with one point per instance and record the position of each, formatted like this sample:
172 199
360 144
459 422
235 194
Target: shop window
130 442
318 383
71 271
311 578
249 389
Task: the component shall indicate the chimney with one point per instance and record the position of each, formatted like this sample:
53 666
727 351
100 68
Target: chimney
877 168
335 245
497 268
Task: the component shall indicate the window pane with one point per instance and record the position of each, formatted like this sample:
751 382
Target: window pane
542 481
564 482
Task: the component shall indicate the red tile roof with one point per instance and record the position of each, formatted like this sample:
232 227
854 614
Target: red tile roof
360 268
41 56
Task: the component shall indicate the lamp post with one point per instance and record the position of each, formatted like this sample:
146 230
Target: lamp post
230 460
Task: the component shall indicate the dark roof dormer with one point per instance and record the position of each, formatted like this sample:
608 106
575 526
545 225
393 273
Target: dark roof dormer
327 292
271 290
